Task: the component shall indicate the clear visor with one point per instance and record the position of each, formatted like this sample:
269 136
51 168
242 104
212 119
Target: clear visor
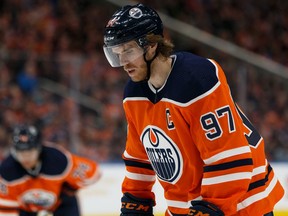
123 54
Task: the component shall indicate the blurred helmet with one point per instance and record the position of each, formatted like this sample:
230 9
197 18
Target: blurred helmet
26 138
131 22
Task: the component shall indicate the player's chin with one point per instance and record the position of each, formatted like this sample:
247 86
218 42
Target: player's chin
28 165
137 79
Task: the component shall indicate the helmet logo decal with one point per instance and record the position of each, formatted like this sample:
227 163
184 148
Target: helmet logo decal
112 21
23 138
135 13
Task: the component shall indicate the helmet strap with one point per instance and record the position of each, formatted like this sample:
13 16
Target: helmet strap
148 63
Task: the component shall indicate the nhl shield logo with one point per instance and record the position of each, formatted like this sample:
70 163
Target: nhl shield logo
163 153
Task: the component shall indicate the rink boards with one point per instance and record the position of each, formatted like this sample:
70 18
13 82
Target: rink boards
103 198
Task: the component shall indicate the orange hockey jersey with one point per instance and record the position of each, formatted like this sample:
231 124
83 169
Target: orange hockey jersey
60 170
192 136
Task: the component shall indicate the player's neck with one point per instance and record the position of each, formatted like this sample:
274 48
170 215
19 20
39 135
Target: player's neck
36 169
160 70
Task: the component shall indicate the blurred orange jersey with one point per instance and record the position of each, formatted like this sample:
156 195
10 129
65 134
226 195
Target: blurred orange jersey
197 141
61 172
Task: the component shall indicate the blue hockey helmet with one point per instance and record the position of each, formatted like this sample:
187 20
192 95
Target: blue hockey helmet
26 138
131 22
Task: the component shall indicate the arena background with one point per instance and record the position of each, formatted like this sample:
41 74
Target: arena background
53 74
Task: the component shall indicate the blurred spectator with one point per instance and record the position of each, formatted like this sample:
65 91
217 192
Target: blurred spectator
27 78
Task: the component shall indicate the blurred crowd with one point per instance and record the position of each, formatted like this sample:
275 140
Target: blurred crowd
259 26
62 41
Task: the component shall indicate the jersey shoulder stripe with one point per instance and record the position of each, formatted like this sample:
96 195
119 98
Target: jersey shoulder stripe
260 182
191 76
137 164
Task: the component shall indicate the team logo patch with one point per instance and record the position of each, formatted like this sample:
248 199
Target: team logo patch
38 199
135 13
163 153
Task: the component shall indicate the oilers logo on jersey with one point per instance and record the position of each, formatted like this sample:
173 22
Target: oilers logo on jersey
37 198
163 153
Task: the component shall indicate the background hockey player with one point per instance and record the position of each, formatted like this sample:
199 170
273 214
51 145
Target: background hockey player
40 180
184 126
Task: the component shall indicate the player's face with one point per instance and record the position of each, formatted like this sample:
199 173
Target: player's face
28 158
131 58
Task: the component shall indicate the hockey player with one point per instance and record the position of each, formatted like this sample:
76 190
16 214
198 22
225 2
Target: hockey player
38 180
184 128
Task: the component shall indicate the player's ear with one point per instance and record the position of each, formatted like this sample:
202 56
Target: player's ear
151 50
153 46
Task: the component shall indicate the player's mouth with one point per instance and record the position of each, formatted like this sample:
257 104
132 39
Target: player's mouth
130 71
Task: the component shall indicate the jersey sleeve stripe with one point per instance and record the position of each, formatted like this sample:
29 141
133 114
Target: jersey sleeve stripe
226 178
172 214
181 204
126 155
256 197
8 203
228 165
9 213
259 170
260 182
138 164
140 177
178 204
227 153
